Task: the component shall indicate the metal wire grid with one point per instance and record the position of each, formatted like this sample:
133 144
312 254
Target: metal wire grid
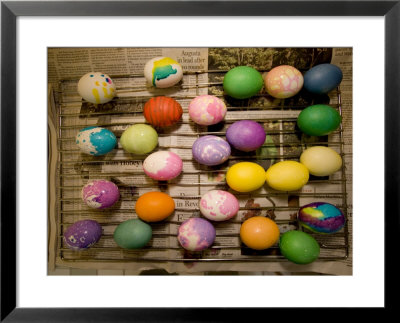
333 246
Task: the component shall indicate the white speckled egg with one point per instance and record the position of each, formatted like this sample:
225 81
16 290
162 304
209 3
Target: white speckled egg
96 87
218 205
163 72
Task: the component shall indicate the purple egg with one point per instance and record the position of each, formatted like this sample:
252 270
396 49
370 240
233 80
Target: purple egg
82 234
196 234
246 135
100 194
211 150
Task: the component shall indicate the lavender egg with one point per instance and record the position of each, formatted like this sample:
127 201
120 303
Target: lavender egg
100 194
196 234
211 150
246 135
82 234
321 217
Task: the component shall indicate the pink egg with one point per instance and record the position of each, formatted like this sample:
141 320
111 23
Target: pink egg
163 165
196 234
207 110
218 205
283 81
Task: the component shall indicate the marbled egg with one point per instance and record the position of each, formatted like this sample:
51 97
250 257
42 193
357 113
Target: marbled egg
96 87
218 205
196 234
100 194
283 81
322 78
318 120
95 141
82 234
242 82
321 160
163 72
246 135
287 175
207 110
211 150
162 111
321 217
163 165
139 139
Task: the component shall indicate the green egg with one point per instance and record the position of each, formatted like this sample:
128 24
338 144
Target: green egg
139 139
132 234
318 120
243 82
299 247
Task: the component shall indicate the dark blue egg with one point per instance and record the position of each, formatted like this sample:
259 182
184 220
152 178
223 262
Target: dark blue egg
322 78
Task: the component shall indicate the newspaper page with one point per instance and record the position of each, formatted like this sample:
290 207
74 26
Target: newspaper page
204 69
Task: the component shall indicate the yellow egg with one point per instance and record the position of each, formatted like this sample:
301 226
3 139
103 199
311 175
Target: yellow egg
287 175
321 160
245 177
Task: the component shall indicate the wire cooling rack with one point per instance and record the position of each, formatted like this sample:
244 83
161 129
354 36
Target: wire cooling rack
279 117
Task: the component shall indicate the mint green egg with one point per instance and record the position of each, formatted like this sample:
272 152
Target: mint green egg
243 82
319 120
139 139
132 234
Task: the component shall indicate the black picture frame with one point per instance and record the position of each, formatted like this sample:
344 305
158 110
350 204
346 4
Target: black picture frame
10 10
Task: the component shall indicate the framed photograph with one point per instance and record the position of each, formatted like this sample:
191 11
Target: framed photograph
47 47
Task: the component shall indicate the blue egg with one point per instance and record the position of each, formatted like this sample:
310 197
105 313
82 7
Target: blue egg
96 141
322 78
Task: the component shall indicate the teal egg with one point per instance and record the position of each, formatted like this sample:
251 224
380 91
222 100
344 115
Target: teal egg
299 247
243 82
319 120
132 234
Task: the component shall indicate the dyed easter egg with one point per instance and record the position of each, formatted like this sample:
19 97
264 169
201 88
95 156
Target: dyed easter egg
283 81
96 87
163 72
132 234
288 175
245 177
82 234
246 135
162 111
318 120
196 234
299 247
211 150
154 206
243 82
259 233
321 217
163 165
139 139
207 110
321 160
218 205
100 194
95 141
322 78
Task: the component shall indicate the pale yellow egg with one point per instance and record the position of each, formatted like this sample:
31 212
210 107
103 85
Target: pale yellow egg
321 160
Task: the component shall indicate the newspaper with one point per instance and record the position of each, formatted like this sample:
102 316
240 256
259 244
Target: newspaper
125 66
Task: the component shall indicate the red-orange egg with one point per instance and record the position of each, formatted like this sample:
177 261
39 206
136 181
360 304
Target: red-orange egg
162 111
154 206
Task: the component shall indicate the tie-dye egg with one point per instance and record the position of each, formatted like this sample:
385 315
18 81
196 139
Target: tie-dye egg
100 194
82 234
96 87
163 165
207 110
162 111
218 205
196 234
246 135
283 81
163 72
139 139
95 141
211 150
321 217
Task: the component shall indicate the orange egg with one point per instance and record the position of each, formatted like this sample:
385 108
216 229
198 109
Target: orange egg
154 206
259 233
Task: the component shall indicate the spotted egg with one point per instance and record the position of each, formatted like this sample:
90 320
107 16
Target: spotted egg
207 110
218 205
163 72
163 165
96 87
82 234
211 150
196 234
95 141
